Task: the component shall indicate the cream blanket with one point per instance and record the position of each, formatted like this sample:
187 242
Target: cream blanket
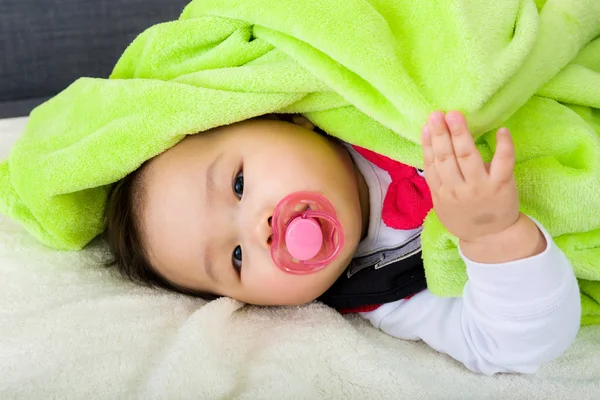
70 329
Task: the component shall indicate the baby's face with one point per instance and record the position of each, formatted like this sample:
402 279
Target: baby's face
208 202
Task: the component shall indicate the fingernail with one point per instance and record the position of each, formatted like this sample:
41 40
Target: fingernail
425 131
453 117
436 117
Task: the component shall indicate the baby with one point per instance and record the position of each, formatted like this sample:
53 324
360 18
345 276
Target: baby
197 219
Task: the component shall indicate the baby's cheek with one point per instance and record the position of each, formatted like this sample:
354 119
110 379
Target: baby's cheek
271 286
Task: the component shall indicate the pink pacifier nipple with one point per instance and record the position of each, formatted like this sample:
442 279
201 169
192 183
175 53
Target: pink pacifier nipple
306 233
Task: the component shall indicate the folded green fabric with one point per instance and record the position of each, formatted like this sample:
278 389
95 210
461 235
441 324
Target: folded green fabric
366 71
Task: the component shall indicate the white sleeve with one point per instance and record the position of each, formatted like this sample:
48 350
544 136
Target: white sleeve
512 317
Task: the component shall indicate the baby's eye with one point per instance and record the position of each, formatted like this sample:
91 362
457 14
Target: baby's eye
238 185
236 258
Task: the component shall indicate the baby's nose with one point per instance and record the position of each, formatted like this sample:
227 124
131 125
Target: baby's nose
265 230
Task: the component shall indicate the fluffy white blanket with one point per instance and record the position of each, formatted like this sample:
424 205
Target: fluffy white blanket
69 329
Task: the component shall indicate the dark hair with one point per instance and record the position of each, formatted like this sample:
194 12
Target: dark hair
124 237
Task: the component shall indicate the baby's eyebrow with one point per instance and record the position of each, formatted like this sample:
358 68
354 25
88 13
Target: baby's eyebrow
210 179
208 197
209 265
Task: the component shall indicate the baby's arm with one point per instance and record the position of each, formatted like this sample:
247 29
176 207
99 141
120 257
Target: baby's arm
520 306
513 316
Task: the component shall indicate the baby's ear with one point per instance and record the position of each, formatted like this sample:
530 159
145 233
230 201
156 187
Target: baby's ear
303 122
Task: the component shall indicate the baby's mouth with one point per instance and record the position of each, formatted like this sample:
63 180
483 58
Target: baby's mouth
306 234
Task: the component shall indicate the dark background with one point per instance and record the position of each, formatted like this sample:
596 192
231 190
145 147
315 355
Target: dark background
47 44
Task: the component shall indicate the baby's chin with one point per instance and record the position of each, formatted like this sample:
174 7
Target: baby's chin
299 290
325 278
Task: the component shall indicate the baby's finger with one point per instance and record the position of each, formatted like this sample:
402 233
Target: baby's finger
443 151
303 122
433 181
503 163
467 155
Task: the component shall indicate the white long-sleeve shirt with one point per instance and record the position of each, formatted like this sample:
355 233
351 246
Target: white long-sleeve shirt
513 317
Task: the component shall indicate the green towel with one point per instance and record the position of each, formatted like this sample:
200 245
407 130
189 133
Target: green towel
366 71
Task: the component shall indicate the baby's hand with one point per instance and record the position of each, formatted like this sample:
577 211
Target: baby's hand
476 202
472 199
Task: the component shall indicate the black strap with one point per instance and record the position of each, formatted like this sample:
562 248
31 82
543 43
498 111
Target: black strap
369 286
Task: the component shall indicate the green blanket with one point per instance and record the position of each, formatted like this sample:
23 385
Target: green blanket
366 71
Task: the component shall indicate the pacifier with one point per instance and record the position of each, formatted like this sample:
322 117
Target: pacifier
306 234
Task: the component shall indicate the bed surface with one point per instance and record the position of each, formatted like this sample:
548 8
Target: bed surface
70 329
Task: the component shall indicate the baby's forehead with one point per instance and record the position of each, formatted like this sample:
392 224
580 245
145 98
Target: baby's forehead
201 146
